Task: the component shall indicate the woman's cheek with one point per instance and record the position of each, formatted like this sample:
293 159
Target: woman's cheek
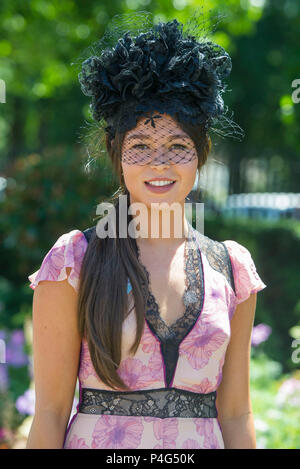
188 176
133 180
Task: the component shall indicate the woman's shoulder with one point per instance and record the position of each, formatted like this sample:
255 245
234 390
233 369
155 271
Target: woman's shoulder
235 262
67 252
216 255
246 278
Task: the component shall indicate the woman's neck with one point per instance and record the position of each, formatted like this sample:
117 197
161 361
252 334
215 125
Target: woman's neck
160 227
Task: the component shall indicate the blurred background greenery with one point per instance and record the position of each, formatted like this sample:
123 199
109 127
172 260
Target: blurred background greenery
46 189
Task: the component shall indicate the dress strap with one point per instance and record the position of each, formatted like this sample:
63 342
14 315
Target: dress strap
216 253
88 233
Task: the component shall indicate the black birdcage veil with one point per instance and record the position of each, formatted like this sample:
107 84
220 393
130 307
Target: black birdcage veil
139 68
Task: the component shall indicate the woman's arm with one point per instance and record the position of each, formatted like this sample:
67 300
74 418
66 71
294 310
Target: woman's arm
56 351
233 395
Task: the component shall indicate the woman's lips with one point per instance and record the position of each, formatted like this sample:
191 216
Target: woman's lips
159 189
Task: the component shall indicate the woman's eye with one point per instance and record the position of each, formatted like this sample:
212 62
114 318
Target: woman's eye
182 146
178 145
139 145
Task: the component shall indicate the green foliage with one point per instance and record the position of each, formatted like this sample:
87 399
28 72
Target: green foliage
275 249
44 102
10 419
48 195
277 426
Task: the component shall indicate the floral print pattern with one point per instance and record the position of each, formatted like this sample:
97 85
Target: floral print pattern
137 375
190 444
246 278
165 431
206 429
77 443
113 432
148 344
200 347
199 366
204 387
68 251
86 367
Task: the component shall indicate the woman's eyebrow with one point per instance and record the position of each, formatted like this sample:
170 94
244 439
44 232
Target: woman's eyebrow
147 137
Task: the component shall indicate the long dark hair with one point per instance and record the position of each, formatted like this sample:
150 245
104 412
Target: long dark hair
107 264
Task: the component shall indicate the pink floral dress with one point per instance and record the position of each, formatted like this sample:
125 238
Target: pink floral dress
226 277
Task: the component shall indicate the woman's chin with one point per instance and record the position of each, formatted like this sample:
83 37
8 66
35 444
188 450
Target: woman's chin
147 197
159 199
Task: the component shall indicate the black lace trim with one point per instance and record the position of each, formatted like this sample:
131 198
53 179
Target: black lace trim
217 255
170 336
161 403
229 267
215 251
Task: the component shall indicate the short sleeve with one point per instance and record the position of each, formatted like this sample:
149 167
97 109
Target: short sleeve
67 251
246 278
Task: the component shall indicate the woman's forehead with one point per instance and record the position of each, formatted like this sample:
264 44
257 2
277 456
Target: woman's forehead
156 135
164 128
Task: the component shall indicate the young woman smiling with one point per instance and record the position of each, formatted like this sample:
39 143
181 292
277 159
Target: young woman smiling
157 329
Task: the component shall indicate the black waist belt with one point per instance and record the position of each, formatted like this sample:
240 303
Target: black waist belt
161 403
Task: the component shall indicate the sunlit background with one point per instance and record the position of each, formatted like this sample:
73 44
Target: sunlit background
250 188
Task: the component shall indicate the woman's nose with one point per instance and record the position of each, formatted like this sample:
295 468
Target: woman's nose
160 160
159 166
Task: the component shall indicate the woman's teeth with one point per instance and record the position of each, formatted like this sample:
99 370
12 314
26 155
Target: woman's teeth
160 183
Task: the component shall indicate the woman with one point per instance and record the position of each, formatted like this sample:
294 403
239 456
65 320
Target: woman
146 321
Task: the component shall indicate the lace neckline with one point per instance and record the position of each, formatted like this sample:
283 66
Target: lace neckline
192 297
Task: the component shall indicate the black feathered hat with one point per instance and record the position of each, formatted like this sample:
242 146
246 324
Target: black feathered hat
138 67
